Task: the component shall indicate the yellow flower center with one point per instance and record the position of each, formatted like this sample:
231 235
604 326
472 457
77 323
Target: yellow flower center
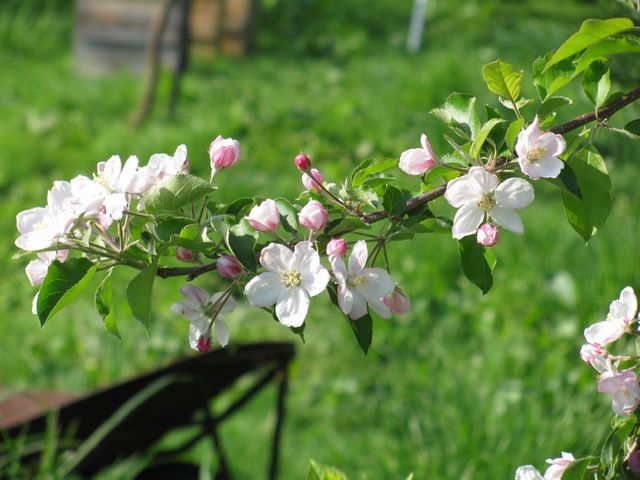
535 154
290 279
485 202
357 281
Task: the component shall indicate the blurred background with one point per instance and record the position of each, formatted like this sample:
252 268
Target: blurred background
464 386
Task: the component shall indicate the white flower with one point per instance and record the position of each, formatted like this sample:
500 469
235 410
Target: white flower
38 268
558 466
291 278
528 472
161 166
538 152
477 194
201 309
88 196
624 388
622 313
359 286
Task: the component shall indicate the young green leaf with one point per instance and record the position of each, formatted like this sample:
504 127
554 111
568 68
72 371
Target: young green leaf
242 247
550 105
63 283
484 132
633 127
512 133
139 292
605 49
394 202
503 79
340 226
176 192
288 214
591 33
459 110
474 264
104 305
589 213
596 83
370 167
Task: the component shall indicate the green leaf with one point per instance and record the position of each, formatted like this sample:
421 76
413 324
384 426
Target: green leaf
550 105
550 80
605 49
459 110
633 127
394 202
322 472
176 192
139 292
567 181
503 79
344 225
362 328
369 167
242 247
589 213
238 206
484 132
576 470
512 133
288 214
63 283
104 305
596 83
474 264
591 33
166 228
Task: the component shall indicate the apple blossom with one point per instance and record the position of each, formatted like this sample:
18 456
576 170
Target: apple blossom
624 388
359 286
488 235
303 162
417 161
622 313
313 216
311 182
538 152
224 153
161 166
590 352
202 310
37 269
228 267
265 217
337 246
291 278
558 466
398 303
528 472
479 194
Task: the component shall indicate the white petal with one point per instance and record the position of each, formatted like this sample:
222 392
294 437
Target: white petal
222 332
194 293
514 193
276 257
507 218
186 308
111 170
359 307
127 179
229 304
528 472
628 297
345 299
114 205
315 281
339 268
305 257
292 306
467 220
462 190
358 258
604 332
378 306
486 180
546 167
415 161
36 271
378 284
263 290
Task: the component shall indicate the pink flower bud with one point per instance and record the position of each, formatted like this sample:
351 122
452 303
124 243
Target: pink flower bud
417 161
302 162
204 343
228 267
313 216
488 235
591 352
397 302
337 246
312 183
224 153
265 217
634 462
184 254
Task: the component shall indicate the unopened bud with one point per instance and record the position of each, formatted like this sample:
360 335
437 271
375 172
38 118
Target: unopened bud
488 235
228 267
184 254
302 162
337 246
313 216
397 302
311 182
204 343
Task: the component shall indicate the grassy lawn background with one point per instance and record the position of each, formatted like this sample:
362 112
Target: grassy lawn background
465 386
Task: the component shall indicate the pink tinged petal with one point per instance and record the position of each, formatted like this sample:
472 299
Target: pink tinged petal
111 170
486 180
604 332
339 268
345 299
398 302
507 218
533 132
378 306
292 306
522 145
619 312
265 217
27 220
222 332
128 176
462 190
546 167
628 297
611 384
315 281
415 161
424 141
263 290
187 309
194 293
467 220
198 334
627 398
358 307
358 258
36 271
514 193
378 284
229 304
276 257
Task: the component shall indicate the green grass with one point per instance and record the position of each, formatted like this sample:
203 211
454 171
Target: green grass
465 386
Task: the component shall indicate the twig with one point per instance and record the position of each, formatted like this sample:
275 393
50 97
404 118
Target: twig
189 272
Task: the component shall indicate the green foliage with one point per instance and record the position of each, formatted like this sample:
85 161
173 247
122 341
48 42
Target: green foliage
63 283
104 305
242 247
576 470
177 192
503 79
596 83
459 112
477 263
139 293
323 472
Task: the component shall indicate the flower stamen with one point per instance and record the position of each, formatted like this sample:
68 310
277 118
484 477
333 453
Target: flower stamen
290 278
485 202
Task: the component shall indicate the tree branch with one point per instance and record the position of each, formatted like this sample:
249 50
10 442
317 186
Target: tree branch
189 272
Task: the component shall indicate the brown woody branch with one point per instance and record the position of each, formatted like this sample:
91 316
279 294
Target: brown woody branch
602 114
